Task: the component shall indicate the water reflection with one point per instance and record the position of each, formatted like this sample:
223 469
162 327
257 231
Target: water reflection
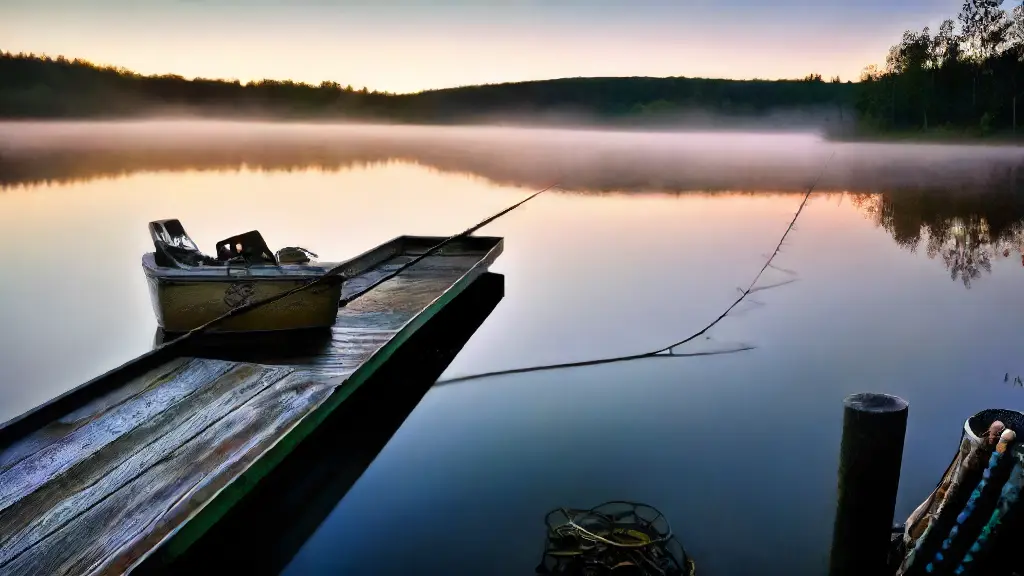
610 269
963 204
584 160
966 230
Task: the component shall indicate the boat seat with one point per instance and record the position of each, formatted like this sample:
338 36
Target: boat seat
249 246
173 246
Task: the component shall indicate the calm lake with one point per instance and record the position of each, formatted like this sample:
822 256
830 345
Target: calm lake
904 275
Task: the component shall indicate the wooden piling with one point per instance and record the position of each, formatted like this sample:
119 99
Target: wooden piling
874 427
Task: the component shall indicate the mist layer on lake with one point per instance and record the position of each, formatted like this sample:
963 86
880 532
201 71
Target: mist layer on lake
903 275
583 160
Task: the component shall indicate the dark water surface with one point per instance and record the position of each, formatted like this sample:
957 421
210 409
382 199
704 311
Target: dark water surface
909 280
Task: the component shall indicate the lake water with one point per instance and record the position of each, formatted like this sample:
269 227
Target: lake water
908 272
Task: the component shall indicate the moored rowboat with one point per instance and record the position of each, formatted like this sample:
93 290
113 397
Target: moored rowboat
189 288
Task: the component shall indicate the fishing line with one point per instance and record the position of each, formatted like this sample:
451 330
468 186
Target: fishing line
667 351
441 245
337 270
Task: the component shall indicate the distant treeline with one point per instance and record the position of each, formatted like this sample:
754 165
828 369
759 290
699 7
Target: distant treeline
968 77
43 87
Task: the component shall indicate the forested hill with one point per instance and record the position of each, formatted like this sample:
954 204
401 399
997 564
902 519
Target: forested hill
42 87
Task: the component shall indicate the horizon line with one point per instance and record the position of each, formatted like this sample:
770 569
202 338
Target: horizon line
124 69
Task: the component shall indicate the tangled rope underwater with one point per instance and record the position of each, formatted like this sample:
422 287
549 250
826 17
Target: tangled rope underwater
669 351
614 537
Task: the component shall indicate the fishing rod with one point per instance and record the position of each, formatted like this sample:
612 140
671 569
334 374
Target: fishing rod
667 351
337 270
433 249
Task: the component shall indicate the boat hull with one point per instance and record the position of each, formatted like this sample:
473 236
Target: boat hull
181 305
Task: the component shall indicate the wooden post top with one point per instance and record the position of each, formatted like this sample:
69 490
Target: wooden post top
875 403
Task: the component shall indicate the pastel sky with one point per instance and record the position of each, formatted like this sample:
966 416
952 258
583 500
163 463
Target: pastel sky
412 45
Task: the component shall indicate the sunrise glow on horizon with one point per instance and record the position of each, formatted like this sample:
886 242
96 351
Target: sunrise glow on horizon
412 46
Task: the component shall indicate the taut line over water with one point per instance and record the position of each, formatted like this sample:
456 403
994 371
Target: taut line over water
667 351
440 245
337 270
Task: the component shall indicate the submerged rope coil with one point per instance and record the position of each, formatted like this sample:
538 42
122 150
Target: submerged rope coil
617 537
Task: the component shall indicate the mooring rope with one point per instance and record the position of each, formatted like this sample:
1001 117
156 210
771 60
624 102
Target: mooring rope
666 351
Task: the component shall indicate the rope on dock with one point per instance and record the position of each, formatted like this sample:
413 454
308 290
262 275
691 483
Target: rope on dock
337 270
667 351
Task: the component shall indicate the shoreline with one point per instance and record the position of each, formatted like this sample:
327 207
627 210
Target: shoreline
930 137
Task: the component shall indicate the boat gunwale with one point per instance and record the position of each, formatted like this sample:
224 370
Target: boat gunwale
43 414
231 273
184 279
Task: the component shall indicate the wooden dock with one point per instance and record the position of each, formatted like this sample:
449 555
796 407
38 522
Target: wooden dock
151 456
266 529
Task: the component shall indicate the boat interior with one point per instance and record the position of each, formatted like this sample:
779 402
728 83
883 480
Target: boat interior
175 249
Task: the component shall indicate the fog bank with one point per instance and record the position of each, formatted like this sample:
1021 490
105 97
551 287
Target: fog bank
583 160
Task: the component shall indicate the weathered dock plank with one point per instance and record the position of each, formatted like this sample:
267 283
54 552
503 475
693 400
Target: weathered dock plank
55 503
64 426
160 395
108 537
155 460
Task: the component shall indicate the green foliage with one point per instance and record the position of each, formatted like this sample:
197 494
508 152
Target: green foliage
39 86
967 77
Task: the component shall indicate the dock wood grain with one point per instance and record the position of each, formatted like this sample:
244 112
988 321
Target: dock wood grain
94 491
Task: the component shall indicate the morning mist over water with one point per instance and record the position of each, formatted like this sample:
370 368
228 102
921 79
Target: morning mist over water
903 275
590 160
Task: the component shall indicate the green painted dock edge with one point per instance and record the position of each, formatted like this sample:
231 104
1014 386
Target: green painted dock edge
188 532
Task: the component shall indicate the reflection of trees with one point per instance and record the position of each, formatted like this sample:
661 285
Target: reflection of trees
966 229
968 252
